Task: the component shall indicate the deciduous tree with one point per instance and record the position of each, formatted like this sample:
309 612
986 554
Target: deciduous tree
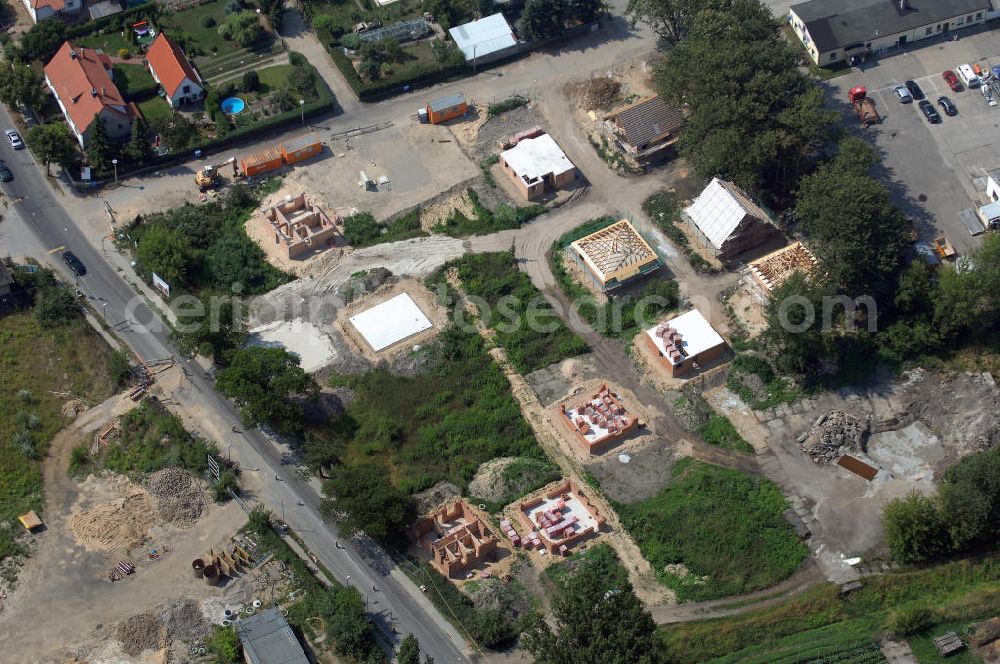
167 252
914 528
263 383
21 87
363 499
52 143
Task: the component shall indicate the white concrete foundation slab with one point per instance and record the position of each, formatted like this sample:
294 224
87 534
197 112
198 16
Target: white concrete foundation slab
390 322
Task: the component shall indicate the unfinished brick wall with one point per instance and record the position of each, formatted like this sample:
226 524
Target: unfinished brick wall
457 539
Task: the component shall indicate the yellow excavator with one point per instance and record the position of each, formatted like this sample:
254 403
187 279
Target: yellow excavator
208 176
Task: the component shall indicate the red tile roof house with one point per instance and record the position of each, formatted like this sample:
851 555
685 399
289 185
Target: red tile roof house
80 80
43 9
171 69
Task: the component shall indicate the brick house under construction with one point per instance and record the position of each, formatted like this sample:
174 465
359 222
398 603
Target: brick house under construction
727 221
299 225
457 539
599 422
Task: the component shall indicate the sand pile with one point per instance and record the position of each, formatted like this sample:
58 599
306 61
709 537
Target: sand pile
833 435
118 525
143 631
179 499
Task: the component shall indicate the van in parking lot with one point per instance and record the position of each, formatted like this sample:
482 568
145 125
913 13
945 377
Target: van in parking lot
967 76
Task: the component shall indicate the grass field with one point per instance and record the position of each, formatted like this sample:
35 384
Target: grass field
522 320
923 648
725 526
109 42
720 431
154 109
189 21
274 78
958 593
42 369
135 81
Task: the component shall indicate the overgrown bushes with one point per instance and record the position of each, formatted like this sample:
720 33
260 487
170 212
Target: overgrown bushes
715 532
520 318
484 220
361 229
664 209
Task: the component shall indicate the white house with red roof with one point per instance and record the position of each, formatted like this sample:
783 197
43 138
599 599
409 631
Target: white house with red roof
172 70
43 9
80 80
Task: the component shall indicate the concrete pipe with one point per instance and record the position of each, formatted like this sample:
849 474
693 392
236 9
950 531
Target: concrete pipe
211 575
198 568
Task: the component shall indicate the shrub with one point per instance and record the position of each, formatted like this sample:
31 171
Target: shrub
56 305
251 81
351 41
242 27
207 22
508 104
909 619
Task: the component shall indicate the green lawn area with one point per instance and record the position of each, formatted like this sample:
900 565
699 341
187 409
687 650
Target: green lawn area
109 42
794 630
274 78
41 368
155 108
189 21
923 648
134 81
724 526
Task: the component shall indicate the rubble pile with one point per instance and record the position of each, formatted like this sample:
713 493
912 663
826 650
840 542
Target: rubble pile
179 499
140 632
833 435
184 621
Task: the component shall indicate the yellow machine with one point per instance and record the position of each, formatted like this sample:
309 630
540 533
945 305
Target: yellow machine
208 176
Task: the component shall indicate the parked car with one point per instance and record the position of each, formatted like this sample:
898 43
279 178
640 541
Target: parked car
914 89
947 106
930 112
74 263
952 80
904 94
15 139
5 174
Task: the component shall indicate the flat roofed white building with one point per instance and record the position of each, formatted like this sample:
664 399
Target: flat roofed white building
483 37
536 164
390 322
685 340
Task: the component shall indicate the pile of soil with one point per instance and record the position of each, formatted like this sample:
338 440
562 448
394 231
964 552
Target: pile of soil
432 498
362 284
495 481
179 499
119 525
600 93
143 631
496 595
835 434
963 408
184 621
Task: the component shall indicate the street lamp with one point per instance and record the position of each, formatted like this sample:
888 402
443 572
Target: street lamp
302 110
114 162
105 312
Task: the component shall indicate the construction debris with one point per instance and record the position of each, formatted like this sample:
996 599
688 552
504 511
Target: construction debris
179 499
143 631
601 93
834 435
122 569
116 526
184 621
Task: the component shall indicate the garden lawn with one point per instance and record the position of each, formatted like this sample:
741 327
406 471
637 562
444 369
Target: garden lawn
720 524
134 81
274 78
155 108
109 42
189 21
40 367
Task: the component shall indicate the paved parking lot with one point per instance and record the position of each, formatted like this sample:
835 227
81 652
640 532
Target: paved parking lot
934 170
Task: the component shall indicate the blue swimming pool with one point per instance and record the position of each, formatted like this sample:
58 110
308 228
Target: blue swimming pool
233 105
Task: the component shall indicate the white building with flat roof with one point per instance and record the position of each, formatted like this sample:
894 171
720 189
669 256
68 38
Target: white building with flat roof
484 37
685 341
537 164
390 322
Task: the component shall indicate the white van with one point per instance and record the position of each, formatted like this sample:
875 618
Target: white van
967 76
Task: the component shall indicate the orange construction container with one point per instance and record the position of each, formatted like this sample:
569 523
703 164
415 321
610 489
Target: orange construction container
446 108
301 147
261 162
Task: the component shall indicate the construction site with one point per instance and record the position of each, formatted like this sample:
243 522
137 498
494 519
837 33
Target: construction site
614 256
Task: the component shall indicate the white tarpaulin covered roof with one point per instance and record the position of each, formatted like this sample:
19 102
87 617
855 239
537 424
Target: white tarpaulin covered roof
482 37
697 334
533 158
719 210
390 322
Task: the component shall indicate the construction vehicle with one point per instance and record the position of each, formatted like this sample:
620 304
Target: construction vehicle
943 247
208 176
864 106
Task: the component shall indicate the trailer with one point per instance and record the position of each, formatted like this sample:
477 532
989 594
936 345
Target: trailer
863 106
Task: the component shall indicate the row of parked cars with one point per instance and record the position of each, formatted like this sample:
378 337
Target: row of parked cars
910 92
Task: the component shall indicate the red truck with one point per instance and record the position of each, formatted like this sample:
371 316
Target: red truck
864 106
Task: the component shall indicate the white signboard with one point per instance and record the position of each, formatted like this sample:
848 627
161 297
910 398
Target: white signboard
161 284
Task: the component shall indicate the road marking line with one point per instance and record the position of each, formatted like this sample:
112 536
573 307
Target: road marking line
59 248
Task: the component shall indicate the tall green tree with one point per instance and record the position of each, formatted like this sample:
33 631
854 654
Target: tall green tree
167 252
593 624
967 300
363 499
42 41
669 19
98 148
914 528
409 651
760 122
218 332
263 382
138 147
21 87
793 338
242 27
970 499
52 143
541 18
858 234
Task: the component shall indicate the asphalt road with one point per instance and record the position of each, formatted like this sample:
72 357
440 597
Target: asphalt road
143 331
